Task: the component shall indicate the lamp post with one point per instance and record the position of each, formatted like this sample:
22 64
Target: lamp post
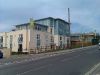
95 34
82 39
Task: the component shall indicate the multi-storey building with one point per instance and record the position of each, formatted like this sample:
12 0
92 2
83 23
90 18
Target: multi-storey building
25 39
60 31
45 34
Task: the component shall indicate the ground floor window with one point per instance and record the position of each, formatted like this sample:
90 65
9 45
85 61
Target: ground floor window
1 46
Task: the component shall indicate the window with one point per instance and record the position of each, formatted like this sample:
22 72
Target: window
51 30
52 39
60 38
38 36
61 44
38 40
38 28
1 46
11 38
10 46
1 39
20 38
38 43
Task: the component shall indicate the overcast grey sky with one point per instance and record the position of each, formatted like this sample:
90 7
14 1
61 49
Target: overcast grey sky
85 14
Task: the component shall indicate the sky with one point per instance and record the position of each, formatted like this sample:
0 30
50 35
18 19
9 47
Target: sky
85 14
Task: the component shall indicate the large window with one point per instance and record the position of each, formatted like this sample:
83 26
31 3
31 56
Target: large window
51 30
11 39
1 46
38 43
38 36
20 38
1 39
38 40
60 38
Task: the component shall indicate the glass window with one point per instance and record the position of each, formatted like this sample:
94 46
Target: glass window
38 40
38 36
38 43
1 46
60 38
1 39
51 30
20 38
11 38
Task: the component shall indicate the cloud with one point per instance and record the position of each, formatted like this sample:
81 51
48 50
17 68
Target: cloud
84 13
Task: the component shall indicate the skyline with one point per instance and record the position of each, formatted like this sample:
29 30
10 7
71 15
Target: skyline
84 14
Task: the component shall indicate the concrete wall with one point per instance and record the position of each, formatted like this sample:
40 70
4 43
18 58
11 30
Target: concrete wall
6 52
44 39
29 39
64 40
4 34
15 35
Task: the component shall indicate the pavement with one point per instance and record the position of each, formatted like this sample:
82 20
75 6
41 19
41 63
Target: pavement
68 62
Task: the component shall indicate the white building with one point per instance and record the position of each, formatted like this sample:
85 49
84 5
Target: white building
26 39
46 34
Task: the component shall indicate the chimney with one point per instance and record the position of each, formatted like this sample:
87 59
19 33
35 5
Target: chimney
68 15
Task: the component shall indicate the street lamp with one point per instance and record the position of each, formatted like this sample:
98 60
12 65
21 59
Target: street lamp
82 39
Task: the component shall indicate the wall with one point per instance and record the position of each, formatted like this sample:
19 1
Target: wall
15 40
6 52
4 34
44 39
64 40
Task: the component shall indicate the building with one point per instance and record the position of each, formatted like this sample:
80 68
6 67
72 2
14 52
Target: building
3 40
45 34
26 39
82 39
60 31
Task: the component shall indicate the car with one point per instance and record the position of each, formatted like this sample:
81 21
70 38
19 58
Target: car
1 54
99 46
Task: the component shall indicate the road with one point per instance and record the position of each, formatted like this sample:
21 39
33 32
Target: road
75 63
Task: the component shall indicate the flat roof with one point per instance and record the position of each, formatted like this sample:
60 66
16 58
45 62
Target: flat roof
52 18
42 19
25 24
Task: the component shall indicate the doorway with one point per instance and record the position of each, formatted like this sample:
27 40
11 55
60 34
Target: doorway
20 48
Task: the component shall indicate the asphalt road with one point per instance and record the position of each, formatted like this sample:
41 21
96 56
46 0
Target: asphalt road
75 63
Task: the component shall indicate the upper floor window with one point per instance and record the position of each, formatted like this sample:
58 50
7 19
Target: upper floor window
20 38
38 28
11 38
38 40
38 36
51 30
60 38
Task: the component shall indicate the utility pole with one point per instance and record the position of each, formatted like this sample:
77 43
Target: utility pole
82 39
95 33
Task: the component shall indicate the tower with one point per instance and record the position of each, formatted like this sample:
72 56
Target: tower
68 15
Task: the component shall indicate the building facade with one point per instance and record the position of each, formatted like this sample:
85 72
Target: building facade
25 39
60 31
46 34
82 39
